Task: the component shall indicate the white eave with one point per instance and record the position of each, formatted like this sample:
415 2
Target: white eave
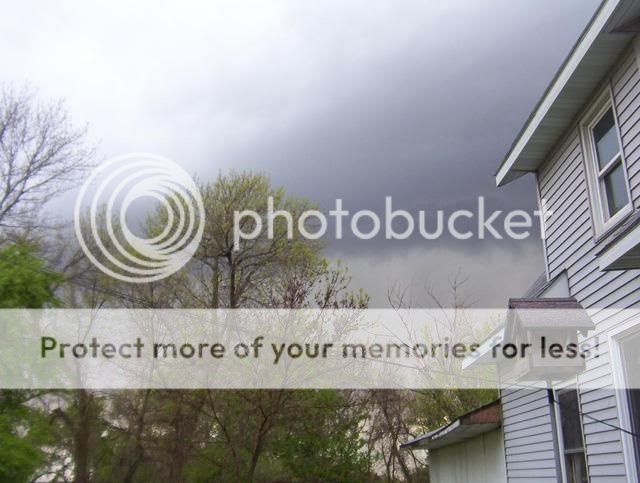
483 354
595 53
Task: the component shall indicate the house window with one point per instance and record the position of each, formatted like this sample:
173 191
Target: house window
631 362
606 170
572 442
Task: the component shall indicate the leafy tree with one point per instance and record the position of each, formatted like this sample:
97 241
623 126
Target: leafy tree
328 443
24 432
24 280
267 435
24 428
231 435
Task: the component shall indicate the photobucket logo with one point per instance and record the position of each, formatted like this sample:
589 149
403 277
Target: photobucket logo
104 235
460 224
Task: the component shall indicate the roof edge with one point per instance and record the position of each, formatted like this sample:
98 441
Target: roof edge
504 174
464 420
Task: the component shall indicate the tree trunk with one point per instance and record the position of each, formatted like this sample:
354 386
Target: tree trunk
233 303
215 296
82 436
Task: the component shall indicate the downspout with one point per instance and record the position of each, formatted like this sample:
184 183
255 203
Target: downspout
554 431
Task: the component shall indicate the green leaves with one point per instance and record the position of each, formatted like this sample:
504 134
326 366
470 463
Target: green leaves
24 432
24 280
326 444
24 429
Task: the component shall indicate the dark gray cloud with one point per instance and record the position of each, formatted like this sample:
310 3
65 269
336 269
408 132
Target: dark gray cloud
424 117
354 100
426 120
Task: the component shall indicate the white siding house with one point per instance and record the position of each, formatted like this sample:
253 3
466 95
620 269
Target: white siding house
582 143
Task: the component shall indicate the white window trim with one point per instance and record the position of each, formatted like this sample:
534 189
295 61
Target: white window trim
601 224
620 248
614 337
560 437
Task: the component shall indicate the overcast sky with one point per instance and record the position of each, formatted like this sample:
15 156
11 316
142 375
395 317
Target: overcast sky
336 99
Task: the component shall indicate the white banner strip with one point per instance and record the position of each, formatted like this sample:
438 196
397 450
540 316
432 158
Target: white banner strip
301 349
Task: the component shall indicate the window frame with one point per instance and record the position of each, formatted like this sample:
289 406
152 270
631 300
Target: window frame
602 222
563 452
615 338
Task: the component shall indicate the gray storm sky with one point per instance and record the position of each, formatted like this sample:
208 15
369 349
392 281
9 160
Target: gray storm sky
347 99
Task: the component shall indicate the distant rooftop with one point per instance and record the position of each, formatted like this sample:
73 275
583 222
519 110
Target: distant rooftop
478 421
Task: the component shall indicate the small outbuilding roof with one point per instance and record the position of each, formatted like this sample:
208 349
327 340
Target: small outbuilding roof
480 420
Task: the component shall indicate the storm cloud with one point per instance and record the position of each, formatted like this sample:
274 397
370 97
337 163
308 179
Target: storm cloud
355 100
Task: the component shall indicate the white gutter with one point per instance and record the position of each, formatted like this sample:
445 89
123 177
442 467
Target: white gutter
482 353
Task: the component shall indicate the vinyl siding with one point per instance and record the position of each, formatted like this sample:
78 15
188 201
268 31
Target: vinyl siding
528 438
477 460
570 246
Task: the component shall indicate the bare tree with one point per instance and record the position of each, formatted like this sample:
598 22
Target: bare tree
41 155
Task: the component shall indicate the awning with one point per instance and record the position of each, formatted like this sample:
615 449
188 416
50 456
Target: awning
547 313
